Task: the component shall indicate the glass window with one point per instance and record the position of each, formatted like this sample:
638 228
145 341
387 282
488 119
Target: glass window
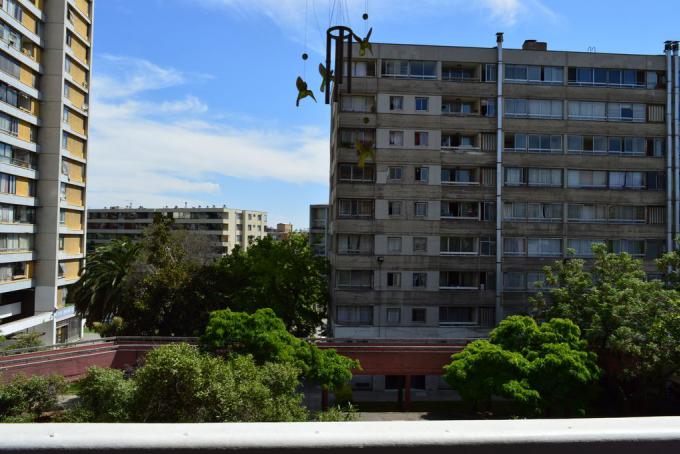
420 209
514 280
360 315
544 247
514 246
395 173
393 315
418 315
419 280
422 103
422 174
419 244
397 138
396 103
394 244
421 139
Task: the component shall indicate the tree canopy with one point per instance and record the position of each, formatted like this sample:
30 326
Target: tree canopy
545 369
165 285
631 322
264 336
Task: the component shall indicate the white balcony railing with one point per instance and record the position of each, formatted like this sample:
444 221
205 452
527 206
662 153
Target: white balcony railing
554 436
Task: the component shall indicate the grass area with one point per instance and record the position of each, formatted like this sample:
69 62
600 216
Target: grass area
73 388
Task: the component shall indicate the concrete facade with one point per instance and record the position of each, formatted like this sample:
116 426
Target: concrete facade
318 229
490 164
224 227
46 49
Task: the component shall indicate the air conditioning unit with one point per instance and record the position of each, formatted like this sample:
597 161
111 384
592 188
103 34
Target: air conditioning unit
85 107
85 83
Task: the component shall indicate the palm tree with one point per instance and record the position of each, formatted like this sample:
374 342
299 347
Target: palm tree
99 293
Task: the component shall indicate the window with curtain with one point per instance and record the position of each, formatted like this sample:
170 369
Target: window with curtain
587 178
7 183
514 246
458 245
515 210
360 315
514 176
544 177
397 138
354 278
542 247
545 211
586 213
514 280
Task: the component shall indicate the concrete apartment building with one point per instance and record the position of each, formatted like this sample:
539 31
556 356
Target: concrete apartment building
224 227
318 229
281 232
45 57
490 164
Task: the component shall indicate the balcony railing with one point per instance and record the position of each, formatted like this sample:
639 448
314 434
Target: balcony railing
555 436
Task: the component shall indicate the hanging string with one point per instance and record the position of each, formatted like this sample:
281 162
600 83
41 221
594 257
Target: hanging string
348 18
305 55
365 17
322 32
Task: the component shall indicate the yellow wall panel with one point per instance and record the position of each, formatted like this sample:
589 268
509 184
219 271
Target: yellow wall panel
76 96
29 21
83 6
76 122
26 131
77 73
74 220
26 76
23 187
72 268
75 146
72 244
74 196
79 49
76 171
81 27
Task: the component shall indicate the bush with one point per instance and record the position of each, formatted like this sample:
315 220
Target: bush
180 384
105 395
25 399
343 394
338 413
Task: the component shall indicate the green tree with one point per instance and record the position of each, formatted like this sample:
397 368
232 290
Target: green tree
102 292
180 384
105 396
264 336
23 340
544 369
24 399
282 275
632 323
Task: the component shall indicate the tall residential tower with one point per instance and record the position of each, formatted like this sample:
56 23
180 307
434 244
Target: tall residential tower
490 164
45 57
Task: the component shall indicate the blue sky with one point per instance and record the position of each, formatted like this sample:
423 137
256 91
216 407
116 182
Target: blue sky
194 100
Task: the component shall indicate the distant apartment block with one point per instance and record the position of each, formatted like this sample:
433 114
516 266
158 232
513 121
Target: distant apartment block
224 227
280 232
318 229
490 164
45 57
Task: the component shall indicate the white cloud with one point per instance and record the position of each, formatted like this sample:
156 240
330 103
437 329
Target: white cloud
170 151
119 77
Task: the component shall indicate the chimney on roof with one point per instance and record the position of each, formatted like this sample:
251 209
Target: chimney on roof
532 44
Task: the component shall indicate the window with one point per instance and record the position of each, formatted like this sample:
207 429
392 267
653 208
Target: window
396 103
586 110
420 139
349 137
393 315
354 244
355 315
394 173
10 66
533 108
464 210
534 74
458 245
8 183
586 213
352 172
420 209
456 315
393 280
460 176
612 77
419 244
636 248
61 243
419 280
627 180
625 112
544 247
487 245
355 278
514 280
583 247
549 212
355 208
422 103
514 246
397 138
9 125
587 178
357 103
422 174
490 72
361 68
62 270
514 176
627 214
394 244
418 315
62 217
414 69
394 208
62 191
515 211
544 177
458 280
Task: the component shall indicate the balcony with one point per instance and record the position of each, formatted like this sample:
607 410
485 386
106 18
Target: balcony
620 435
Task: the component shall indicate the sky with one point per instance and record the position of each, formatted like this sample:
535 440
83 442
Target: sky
193 101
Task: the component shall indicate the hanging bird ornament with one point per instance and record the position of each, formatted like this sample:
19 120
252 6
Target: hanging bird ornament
326 76
365 44
303 91
364 150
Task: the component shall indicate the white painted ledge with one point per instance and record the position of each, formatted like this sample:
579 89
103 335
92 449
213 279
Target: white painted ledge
582 436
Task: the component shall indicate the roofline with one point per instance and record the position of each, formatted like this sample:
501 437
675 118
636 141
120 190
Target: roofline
519 49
